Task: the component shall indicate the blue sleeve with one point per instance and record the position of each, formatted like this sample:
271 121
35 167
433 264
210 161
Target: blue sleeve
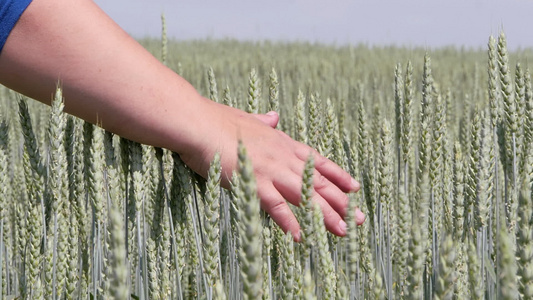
10 12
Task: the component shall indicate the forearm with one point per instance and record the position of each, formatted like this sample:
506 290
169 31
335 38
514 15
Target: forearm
107 77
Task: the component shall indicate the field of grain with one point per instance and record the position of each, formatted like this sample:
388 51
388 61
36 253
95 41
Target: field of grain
440 139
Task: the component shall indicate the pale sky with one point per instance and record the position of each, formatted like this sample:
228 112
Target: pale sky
425 23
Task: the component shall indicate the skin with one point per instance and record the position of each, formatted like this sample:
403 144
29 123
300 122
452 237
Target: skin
110 79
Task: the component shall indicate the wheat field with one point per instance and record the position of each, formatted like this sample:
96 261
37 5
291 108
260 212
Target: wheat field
440 140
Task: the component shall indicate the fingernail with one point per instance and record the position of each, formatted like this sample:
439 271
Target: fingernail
298 236
359 217
271 113
355 185
342 226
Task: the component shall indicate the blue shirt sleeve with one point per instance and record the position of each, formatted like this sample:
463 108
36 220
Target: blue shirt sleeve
10 12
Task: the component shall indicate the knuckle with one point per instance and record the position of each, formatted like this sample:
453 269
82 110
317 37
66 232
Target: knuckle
289 224
276 207
344 204
283 134
320 161
329 214
280 212
320 182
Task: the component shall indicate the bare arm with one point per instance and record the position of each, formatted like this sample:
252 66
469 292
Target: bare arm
107 77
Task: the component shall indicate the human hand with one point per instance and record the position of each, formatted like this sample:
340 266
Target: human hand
278 163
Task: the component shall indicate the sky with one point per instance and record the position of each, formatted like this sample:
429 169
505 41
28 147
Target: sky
411 23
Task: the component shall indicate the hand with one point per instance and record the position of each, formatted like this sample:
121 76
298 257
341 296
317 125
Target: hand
278 163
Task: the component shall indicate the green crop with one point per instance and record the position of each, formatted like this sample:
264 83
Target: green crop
441 146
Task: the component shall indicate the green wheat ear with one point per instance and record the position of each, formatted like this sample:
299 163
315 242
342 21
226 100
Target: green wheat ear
314 121
459 180
415 262
326 270
119 288
4 176
446 269
306 221
266 251
352 244
254 93
329 128
33 257
33 167
399 87
301 121
308 291
377 289
471 182
507 265
273 88
58 181
494 95
288 267
510 122
528 130
524 251
486 172
219 293
227 99
213 91
250 229
437 164
212 216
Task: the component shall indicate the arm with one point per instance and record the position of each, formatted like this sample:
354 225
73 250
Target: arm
109 79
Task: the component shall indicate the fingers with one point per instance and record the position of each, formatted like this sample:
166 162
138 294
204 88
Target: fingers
271 118
279 180
278 209
332 201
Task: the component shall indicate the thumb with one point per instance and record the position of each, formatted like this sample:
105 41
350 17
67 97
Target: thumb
271 118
